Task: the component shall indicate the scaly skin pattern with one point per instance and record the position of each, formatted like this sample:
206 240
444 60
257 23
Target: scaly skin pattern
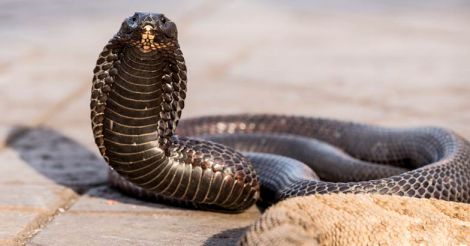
424 162
138 93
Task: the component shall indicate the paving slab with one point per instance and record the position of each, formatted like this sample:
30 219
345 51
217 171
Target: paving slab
103 216
25 209
39 174
28 199
35 205
401 59
13 225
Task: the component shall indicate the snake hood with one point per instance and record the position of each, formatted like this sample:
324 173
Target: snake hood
140 74
147 31
138 93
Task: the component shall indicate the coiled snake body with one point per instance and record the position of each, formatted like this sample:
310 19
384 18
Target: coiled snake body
138 93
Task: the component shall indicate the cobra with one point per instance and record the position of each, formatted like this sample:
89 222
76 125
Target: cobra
138 93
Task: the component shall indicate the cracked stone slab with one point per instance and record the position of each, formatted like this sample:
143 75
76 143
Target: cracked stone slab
13 224
34 184
105 217
31 197
28 199
25 208
22 187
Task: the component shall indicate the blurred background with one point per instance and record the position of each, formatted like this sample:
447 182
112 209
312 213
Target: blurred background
387 62
393 63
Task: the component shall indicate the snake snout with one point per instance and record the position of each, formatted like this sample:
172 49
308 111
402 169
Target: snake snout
155 21
148 34
148 25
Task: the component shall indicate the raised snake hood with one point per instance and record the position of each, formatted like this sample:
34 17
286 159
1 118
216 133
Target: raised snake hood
137 98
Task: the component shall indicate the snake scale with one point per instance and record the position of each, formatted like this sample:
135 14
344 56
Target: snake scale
229 162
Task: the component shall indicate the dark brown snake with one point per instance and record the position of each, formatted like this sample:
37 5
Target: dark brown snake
138 93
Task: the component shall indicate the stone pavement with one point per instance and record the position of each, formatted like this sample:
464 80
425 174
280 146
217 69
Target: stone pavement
395 64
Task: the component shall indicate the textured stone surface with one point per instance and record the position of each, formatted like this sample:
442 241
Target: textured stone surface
109 218
13 224
397 63
28 199
349 219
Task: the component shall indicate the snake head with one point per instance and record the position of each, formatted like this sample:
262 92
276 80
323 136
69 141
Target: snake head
148 31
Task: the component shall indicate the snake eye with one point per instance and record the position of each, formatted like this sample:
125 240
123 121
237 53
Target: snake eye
163 19
134 18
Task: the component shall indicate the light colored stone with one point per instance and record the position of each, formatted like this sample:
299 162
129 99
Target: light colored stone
105 199
29 196
156 229
362 219
13 224
103 216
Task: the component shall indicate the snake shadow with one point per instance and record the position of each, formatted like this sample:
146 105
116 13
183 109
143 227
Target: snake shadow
228 237
70 164
67 163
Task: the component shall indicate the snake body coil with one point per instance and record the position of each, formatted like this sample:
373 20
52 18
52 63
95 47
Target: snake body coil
138 93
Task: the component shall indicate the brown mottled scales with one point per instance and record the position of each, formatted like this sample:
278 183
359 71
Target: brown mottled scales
138 93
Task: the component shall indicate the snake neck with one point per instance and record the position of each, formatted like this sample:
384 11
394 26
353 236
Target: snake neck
142 108
137 97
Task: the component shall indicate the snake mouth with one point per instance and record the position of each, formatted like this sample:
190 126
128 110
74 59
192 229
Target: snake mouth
148 35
